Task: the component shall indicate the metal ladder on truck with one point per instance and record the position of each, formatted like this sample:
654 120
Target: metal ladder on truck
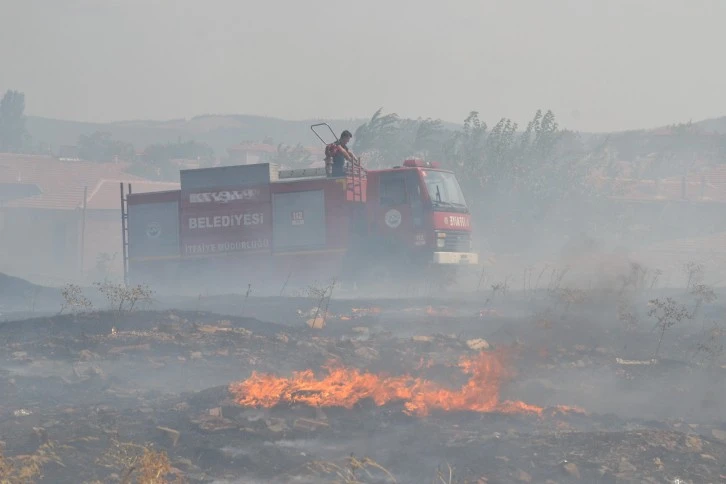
125 230
355 173
354 182
355 185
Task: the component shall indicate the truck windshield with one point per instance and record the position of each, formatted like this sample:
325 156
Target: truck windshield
444 190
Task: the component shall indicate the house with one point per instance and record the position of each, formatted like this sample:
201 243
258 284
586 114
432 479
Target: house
185 164
60 219
68 153
250 153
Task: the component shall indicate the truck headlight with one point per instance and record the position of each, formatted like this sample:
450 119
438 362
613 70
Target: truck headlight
440 243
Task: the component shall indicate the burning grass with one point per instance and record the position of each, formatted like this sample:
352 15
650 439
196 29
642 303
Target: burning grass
345 387
116 426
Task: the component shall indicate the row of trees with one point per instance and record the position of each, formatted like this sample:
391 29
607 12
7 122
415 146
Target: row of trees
539 157
101 147
522 184
155 162
516 176
295 156
542 160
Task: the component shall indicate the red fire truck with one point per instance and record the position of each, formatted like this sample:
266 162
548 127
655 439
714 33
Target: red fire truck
231 226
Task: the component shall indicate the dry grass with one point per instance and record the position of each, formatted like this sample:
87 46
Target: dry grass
140 464
353 471
153 467
445 476
366 470
26 469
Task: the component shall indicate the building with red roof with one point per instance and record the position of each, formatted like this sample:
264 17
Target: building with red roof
59 217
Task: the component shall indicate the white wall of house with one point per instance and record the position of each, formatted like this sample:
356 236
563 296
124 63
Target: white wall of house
44 246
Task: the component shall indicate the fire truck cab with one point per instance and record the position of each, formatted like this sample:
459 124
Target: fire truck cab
416 216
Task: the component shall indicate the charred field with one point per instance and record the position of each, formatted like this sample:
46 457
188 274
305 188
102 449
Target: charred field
531 386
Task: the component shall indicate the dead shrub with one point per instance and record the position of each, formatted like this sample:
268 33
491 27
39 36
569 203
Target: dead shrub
667 313
694 273
123 298
74 300
500 288
627 314
636 279
701 294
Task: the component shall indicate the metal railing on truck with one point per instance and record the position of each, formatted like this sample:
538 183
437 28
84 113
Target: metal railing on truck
355 173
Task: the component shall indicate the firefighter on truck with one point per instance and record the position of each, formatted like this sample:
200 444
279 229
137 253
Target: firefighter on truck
336 155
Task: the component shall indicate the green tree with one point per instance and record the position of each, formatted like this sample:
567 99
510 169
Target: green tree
430 139
466 151
291 156
500 153
522 181
13 136
388 140
189 150
529 170
379 138
156 163
536 164
100 147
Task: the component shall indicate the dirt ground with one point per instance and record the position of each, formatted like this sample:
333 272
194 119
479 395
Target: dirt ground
105 396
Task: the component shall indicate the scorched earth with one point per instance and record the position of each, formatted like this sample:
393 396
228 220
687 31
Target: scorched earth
415 391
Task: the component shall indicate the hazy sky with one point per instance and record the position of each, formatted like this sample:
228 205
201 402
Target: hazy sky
598 64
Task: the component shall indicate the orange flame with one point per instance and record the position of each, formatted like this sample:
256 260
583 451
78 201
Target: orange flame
344 387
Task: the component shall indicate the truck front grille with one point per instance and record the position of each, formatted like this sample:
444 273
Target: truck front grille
457 242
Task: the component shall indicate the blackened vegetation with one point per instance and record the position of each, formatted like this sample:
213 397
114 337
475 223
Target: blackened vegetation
133 396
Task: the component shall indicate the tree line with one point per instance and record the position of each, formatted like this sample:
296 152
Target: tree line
542 161
538 157
515 176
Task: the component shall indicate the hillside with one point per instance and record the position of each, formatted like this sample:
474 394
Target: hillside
223 131
219 132
713 125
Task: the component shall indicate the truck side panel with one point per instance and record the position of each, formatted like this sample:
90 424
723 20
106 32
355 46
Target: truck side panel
226 210
153 225
218 228
224 195
337 209
224 176
338 214
299 220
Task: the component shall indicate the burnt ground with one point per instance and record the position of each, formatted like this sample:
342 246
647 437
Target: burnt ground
83 395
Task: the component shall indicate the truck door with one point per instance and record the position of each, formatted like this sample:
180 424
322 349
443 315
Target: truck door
393 218
419 227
